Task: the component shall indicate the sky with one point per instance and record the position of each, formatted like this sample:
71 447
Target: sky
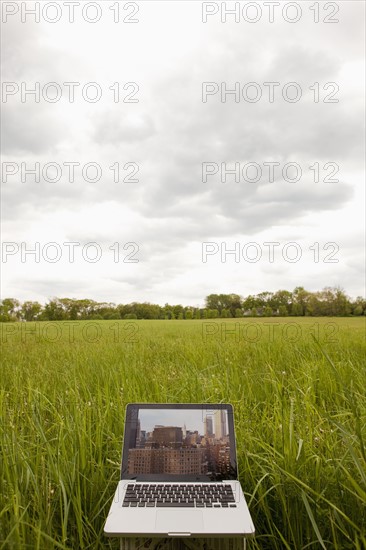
192 419
159 226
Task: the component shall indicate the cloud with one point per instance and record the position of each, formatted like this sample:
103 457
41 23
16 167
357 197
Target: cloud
27 129
170 132
110 128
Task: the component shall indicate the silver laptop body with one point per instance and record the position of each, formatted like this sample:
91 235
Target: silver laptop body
179 474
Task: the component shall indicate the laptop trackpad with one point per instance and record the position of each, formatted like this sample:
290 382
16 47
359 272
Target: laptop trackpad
179 521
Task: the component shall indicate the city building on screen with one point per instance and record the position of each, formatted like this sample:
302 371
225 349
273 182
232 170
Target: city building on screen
177 450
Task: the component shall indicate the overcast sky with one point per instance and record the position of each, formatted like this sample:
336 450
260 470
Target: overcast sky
191 418
169 211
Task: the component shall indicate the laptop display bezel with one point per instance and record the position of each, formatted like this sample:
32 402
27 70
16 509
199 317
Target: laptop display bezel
132 411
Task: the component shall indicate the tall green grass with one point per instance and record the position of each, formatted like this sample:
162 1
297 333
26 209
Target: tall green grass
300 413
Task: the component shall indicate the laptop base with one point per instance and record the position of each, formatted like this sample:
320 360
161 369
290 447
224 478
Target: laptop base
177 543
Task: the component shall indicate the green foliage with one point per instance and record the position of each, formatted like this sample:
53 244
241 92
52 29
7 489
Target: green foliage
223 302
9 310
358 311
96 317
30 311
297 309
225 313
300 302
197 314
282 311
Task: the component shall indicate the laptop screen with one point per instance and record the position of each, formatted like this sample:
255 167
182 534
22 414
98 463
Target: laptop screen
193 442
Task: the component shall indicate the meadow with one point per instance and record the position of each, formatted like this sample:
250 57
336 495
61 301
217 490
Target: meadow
298 390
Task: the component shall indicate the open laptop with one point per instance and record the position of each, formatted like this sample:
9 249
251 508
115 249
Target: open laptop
179 474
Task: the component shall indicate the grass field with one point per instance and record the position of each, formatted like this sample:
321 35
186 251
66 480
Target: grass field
300 413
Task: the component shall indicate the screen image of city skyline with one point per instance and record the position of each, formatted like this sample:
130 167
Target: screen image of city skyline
180 442
201 420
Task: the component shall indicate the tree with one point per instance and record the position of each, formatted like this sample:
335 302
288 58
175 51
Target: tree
234 303
281 298
313 306
145 310
268 311
71 308
223 301
249 303
96 317
301 296
9 309
197 314
342 302
263 298
297 310
282 311
359 306
333 301
114 316
30 311
168 312
130 316
328 301
212 301
53 310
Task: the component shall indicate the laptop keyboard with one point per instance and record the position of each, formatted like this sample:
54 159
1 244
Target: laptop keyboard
208 495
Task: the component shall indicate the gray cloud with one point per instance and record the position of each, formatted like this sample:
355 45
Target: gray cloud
27 129
171 132
116 129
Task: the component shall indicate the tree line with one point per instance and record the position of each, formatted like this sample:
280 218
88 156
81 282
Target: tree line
331 301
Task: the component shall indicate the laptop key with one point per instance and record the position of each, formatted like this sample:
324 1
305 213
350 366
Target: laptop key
175 505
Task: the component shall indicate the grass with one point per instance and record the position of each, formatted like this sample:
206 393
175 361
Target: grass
298 391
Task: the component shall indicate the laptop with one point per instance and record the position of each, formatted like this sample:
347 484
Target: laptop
179 474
